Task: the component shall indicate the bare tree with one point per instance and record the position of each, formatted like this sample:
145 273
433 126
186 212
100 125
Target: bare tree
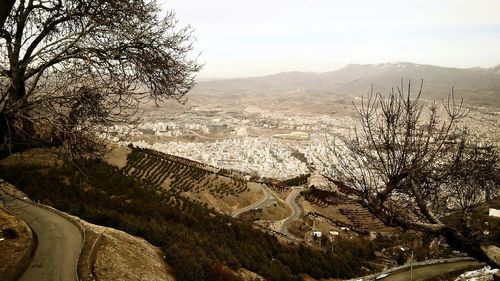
68 67
411 165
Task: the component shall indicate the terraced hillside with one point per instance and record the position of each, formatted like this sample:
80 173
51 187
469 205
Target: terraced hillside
342 211
221 189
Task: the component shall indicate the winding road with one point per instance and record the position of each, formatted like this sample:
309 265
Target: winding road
59 243
291 200
266 198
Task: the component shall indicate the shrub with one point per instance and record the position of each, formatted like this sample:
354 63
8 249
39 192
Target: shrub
9 233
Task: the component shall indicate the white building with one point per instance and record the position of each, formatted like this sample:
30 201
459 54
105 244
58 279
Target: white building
494 213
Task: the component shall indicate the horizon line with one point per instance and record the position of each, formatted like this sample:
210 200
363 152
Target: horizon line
216 77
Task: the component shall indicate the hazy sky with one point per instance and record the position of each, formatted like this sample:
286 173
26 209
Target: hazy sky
258 37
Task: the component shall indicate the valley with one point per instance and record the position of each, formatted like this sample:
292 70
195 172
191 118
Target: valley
261 168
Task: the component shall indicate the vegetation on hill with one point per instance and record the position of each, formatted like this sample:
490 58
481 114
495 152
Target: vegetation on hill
360 219
296 181
198 242
284 185
177 174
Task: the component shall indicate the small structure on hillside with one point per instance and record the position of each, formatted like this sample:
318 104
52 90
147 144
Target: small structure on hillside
494 213
317 234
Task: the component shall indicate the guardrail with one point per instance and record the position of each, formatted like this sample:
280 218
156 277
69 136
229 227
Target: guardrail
374 276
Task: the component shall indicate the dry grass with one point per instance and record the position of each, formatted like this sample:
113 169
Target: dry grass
229 203
281 194
248 275
276 211
117 155
36 156
13 250
245 198
331 211
300 227
121 256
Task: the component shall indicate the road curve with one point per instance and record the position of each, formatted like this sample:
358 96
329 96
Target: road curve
291 200
59 243
264 200
429 271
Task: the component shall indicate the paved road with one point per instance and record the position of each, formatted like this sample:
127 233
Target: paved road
429 271
263 202
291 200
59 243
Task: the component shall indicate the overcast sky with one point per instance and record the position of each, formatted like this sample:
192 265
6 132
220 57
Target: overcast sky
257 37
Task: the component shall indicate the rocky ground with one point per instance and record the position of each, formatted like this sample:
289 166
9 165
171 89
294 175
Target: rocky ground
483 274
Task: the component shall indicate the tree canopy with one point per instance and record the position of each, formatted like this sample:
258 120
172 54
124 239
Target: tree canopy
412 164
68 67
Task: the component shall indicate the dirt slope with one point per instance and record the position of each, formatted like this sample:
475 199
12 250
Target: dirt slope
15 251
121 256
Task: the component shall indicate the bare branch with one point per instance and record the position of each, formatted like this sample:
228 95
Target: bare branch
410 165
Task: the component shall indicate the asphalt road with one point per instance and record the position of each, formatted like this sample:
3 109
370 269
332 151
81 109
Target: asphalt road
291 200
262 203
428 271
59 243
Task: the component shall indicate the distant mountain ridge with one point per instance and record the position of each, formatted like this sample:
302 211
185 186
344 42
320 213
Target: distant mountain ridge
476 85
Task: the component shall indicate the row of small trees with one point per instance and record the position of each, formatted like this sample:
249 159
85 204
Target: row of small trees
296 181
157 168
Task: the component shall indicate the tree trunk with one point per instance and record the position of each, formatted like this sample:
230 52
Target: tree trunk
489 254
16 134
16 91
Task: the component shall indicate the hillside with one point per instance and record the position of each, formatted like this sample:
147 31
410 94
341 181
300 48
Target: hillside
198 242
479 86
223 190
108 254
114 254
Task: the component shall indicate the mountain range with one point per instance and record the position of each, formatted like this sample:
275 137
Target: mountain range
478 86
